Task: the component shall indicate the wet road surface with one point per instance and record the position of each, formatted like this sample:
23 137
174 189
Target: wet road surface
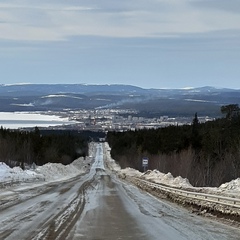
99 206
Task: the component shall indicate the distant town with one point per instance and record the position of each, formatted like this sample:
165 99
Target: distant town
118 120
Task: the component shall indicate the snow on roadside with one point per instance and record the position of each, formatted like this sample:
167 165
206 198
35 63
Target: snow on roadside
14 175
233 185
231 188
58 171
111 163
167 179
130 172
48 172
151 175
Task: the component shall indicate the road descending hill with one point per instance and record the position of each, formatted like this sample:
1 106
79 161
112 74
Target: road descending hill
96 204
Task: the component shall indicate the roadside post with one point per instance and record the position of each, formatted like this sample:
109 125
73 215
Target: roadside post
145 163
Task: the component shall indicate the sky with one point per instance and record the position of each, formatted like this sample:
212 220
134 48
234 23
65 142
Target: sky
146 43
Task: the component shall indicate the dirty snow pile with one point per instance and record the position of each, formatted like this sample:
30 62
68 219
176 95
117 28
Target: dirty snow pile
130 172
233 185
157 177
47 172
167 179
58 171
13 175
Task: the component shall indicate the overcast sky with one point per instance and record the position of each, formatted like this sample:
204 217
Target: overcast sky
146 43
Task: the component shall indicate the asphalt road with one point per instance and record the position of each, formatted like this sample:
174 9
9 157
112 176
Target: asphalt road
99 206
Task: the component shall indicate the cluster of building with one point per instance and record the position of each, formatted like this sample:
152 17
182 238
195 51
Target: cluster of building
119 120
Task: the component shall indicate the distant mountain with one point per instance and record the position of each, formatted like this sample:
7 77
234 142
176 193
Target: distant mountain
39 89
154 102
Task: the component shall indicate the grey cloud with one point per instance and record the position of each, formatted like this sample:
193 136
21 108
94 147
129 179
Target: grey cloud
223 5
60 20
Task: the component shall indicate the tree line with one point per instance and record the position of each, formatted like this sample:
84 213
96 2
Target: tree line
208 154
21 148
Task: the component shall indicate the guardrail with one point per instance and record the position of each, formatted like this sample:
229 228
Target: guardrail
227 201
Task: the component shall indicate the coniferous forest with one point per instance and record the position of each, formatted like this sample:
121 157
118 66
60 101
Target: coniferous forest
208 154
22 148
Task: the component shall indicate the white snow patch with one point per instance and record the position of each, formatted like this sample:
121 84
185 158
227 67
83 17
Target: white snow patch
131 172
61 95
166 179
14 175
233 185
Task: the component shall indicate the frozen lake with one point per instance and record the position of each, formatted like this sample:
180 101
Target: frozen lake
15 120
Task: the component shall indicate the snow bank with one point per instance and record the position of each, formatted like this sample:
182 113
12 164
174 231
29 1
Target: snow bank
158 177
58 171
233 185
47 172
166 179
130 172
13 175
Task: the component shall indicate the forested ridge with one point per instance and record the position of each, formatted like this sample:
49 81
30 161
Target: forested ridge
208 154
23 148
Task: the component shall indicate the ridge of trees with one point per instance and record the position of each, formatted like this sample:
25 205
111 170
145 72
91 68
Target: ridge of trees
208 154
21 148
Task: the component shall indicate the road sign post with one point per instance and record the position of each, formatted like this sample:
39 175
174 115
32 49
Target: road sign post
145 163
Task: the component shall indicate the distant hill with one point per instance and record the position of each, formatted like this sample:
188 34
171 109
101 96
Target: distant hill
171 102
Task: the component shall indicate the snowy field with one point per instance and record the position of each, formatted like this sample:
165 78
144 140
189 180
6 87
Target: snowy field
58 172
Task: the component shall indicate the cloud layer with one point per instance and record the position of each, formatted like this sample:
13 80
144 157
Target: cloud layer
149 43
59 20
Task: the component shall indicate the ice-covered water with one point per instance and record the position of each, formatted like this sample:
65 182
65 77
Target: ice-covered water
15 120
